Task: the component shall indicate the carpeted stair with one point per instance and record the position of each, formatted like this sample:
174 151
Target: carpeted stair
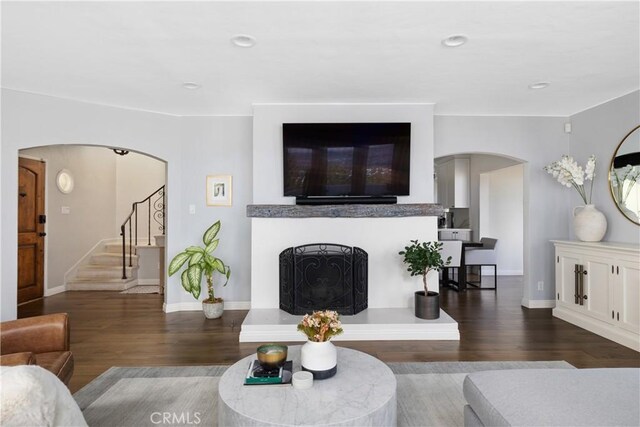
104 271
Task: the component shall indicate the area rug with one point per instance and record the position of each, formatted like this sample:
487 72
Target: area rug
428 394
142 289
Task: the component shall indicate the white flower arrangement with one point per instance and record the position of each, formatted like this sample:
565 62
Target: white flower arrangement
627 175
570 174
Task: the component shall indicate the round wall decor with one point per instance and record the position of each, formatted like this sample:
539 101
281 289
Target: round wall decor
64 181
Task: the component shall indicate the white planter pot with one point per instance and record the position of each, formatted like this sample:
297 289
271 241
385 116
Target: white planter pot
319 358
212 310
589 224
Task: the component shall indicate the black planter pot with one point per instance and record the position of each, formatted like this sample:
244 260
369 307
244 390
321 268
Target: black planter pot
427 306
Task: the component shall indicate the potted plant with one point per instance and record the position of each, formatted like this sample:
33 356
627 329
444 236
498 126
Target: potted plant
421 258
202 262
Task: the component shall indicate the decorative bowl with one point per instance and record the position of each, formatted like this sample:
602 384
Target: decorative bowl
272 356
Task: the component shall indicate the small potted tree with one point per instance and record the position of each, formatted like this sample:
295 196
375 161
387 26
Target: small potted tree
421 258
202 262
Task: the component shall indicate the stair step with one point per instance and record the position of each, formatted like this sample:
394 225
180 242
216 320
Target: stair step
116 248
112 259
104 272
101 285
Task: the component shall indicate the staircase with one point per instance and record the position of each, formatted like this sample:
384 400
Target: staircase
113 265
103 272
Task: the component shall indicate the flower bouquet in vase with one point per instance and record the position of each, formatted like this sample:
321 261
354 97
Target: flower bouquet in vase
318 355
589 224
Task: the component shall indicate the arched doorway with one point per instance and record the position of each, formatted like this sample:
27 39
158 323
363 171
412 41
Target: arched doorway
490 201
83 248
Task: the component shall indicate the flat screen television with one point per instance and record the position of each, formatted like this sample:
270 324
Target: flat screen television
346 159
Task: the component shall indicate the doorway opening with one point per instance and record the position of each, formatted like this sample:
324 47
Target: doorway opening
89 195
484 198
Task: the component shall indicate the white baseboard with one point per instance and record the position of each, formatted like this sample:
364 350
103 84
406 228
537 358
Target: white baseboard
55 290
148 282
197 306
538 303
510 273
604 329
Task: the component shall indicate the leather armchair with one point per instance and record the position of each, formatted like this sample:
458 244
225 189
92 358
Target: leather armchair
39 340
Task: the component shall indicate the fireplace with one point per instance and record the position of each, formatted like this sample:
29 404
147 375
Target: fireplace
323 276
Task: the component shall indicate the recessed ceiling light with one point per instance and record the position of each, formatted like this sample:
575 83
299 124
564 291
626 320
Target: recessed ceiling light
243 40
455 40
191 85
539 85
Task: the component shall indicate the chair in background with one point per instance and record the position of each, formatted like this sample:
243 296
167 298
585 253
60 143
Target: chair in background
453 249
486 256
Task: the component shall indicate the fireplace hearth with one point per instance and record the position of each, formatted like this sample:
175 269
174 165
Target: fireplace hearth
323 276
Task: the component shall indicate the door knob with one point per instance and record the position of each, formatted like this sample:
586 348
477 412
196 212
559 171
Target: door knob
584 297
42 234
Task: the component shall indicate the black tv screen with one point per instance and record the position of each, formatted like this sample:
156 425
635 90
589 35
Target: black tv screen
346 159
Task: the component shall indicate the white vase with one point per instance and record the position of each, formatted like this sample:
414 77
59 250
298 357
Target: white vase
589 224
319 358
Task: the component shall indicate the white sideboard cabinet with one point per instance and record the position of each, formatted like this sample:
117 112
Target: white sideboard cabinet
598 288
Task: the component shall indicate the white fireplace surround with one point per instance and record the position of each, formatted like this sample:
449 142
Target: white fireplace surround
382 238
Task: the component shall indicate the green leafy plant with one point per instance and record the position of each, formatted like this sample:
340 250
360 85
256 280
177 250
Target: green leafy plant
421 258
201 261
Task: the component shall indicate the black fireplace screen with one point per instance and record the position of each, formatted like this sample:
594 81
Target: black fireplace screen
323 276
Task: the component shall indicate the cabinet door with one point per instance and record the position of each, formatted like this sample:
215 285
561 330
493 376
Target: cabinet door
627 295
595 288
566 279
445 235
464 235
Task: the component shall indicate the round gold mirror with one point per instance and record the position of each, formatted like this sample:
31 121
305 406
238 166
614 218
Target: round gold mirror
624 174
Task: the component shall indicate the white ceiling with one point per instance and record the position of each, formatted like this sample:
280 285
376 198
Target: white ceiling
137 54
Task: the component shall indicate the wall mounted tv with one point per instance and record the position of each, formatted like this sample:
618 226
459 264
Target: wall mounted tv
346 159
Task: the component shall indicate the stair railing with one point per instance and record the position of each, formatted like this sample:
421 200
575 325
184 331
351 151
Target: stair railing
132 221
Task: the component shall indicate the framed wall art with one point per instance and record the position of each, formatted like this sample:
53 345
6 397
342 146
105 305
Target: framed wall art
219 190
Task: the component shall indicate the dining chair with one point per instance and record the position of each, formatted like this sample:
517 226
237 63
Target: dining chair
485 256
453 249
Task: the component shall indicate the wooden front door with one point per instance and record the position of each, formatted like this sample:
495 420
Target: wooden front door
31 176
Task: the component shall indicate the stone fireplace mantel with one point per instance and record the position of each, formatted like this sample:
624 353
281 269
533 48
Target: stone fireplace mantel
344 211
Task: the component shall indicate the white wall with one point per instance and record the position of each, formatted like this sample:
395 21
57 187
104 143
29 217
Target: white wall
598 131
268 152
220 146
537 141
91 205
479 164
502 214
30 120
136 177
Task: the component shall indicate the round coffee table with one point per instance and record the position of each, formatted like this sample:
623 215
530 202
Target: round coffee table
363 392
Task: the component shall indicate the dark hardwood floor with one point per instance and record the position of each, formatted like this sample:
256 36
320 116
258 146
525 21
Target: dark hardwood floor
112 329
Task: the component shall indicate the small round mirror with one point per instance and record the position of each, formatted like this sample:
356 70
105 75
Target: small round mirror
624 174
64 181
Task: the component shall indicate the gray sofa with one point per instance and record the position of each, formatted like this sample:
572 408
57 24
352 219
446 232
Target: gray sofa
553 397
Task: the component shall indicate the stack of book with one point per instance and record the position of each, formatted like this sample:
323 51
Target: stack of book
257 375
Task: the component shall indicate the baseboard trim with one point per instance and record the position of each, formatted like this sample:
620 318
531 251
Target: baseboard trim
55 290
510 272
598 327
148 282
538 303
197 306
